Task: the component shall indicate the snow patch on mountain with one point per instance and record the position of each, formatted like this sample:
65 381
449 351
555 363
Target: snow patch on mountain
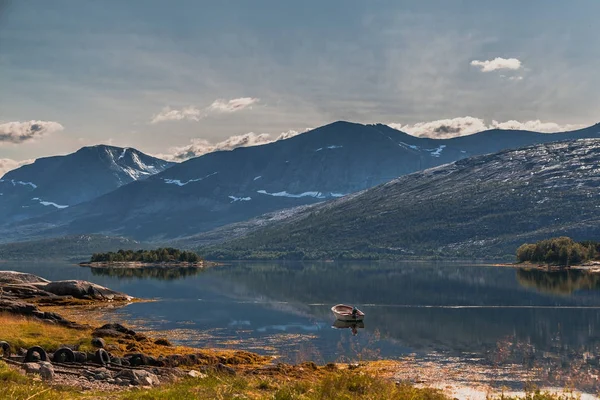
315 194
123 153
234 199
437 152
49 203
178 182
332 147
15 183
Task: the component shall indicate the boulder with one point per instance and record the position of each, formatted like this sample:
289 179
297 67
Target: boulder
20 277
46 371
32 367
138 377
82 290
195 374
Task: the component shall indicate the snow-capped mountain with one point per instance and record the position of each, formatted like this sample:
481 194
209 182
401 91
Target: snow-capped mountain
484 206
54 183
230 186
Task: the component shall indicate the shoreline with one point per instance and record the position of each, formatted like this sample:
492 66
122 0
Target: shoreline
140 264
591 267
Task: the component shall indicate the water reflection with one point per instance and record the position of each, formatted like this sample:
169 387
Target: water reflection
563 282
352 325
160 273
422 309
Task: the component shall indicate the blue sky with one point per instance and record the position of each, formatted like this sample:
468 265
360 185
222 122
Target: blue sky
173 76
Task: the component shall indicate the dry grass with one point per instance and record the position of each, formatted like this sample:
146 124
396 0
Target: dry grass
24 332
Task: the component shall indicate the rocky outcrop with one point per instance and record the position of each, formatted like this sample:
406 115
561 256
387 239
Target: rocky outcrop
19 286
30 310
82 290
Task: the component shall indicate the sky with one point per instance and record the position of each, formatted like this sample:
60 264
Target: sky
180 78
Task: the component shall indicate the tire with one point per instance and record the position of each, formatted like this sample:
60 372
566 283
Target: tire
4 349
138 359
80 357
36 349
102 357
64 355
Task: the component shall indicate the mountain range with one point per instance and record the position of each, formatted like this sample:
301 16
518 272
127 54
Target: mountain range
59 182
476 207
208 193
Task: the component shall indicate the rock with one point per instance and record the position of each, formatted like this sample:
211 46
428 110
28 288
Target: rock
46 371
138 377
102 333
82 290
20 277
195 374
80 356
117 328
30 310
162 342
99 343
32 368
225 369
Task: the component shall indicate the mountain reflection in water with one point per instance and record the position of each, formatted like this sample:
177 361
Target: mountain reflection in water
478 314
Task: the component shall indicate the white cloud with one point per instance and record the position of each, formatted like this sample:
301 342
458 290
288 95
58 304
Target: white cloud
192 113
168 114
199 147
6 164
462 126
497 63
536 126
233 105
19 132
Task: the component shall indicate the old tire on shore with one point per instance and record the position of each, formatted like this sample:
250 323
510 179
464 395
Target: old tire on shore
102 357
80 357
138 359
4 349
36 349
64 355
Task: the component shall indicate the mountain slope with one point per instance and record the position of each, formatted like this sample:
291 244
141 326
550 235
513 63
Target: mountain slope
480 206
53 183
224 187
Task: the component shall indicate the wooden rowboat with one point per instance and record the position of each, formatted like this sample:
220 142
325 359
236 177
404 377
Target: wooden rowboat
343 312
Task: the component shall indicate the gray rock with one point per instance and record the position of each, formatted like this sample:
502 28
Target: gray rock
82 289
32 368
195 374
46 371
138 377
20 277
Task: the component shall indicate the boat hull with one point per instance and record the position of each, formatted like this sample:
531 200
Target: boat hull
343 312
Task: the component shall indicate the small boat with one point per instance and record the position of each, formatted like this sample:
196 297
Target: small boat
343 312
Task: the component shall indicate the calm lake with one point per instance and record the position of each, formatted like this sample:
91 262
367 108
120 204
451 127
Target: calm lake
488 313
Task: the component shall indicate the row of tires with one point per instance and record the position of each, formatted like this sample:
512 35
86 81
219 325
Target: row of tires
62 355
102 357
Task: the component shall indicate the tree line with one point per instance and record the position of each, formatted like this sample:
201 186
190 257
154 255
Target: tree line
562 251
167 254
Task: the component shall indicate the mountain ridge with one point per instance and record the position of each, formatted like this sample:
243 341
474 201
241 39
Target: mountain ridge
224 187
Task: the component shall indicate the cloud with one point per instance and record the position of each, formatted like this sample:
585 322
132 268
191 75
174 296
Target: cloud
168 114
497 63
224 106
192 113
463 126
19 132
6 164
199 147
